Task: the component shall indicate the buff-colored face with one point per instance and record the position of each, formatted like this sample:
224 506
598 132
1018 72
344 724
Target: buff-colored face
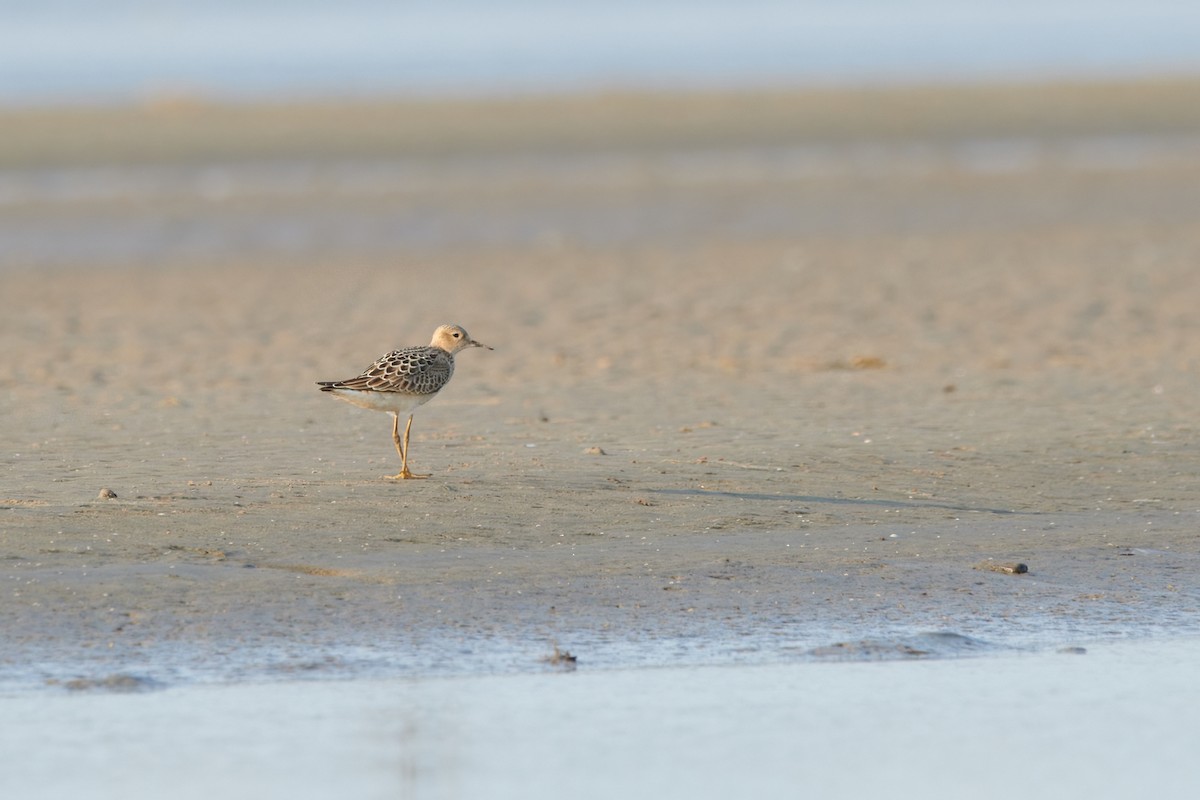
453 338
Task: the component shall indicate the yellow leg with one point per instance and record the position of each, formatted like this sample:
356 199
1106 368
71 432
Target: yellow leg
402 449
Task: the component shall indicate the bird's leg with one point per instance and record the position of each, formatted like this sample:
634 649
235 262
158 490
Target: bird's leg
396 435
404 462
402 449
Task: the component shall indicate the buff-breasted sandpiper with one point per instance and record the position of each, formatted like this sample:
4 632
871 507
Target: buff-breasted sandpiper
404 379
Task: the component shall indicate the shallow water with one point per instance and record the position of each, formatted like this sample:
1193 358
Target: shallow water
1115 720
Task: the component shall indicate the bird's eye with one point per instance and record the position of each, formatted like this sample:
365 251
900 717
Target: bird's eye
456 335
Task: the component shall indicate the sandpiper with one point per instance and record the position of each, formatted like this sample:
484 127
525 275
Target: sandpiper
404 379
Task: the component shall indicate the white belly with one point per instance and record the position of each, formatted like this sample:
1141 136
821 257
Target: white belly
392 402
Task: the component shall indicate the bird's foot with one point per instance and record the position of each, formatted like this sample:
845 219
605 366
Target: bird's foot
405 475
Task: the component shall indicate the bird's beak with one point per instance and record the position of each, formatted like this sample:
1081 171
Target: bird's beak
474 343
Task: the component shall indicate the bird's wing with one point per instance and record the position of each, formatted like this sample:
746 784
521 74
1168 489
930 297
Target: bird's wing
413 370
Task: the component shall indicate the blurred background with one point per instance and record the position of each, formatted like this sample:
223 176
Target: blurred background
135 132
100 51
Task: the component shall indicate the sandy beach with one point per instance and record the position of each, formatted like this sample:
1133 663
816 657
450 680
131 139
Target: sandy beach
776 376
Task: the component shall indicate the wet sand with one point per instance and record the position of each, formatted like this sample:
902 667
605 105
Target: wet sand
754 397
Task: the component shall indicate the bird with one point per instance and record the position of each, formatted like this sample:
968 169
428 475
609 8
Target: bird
403 380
